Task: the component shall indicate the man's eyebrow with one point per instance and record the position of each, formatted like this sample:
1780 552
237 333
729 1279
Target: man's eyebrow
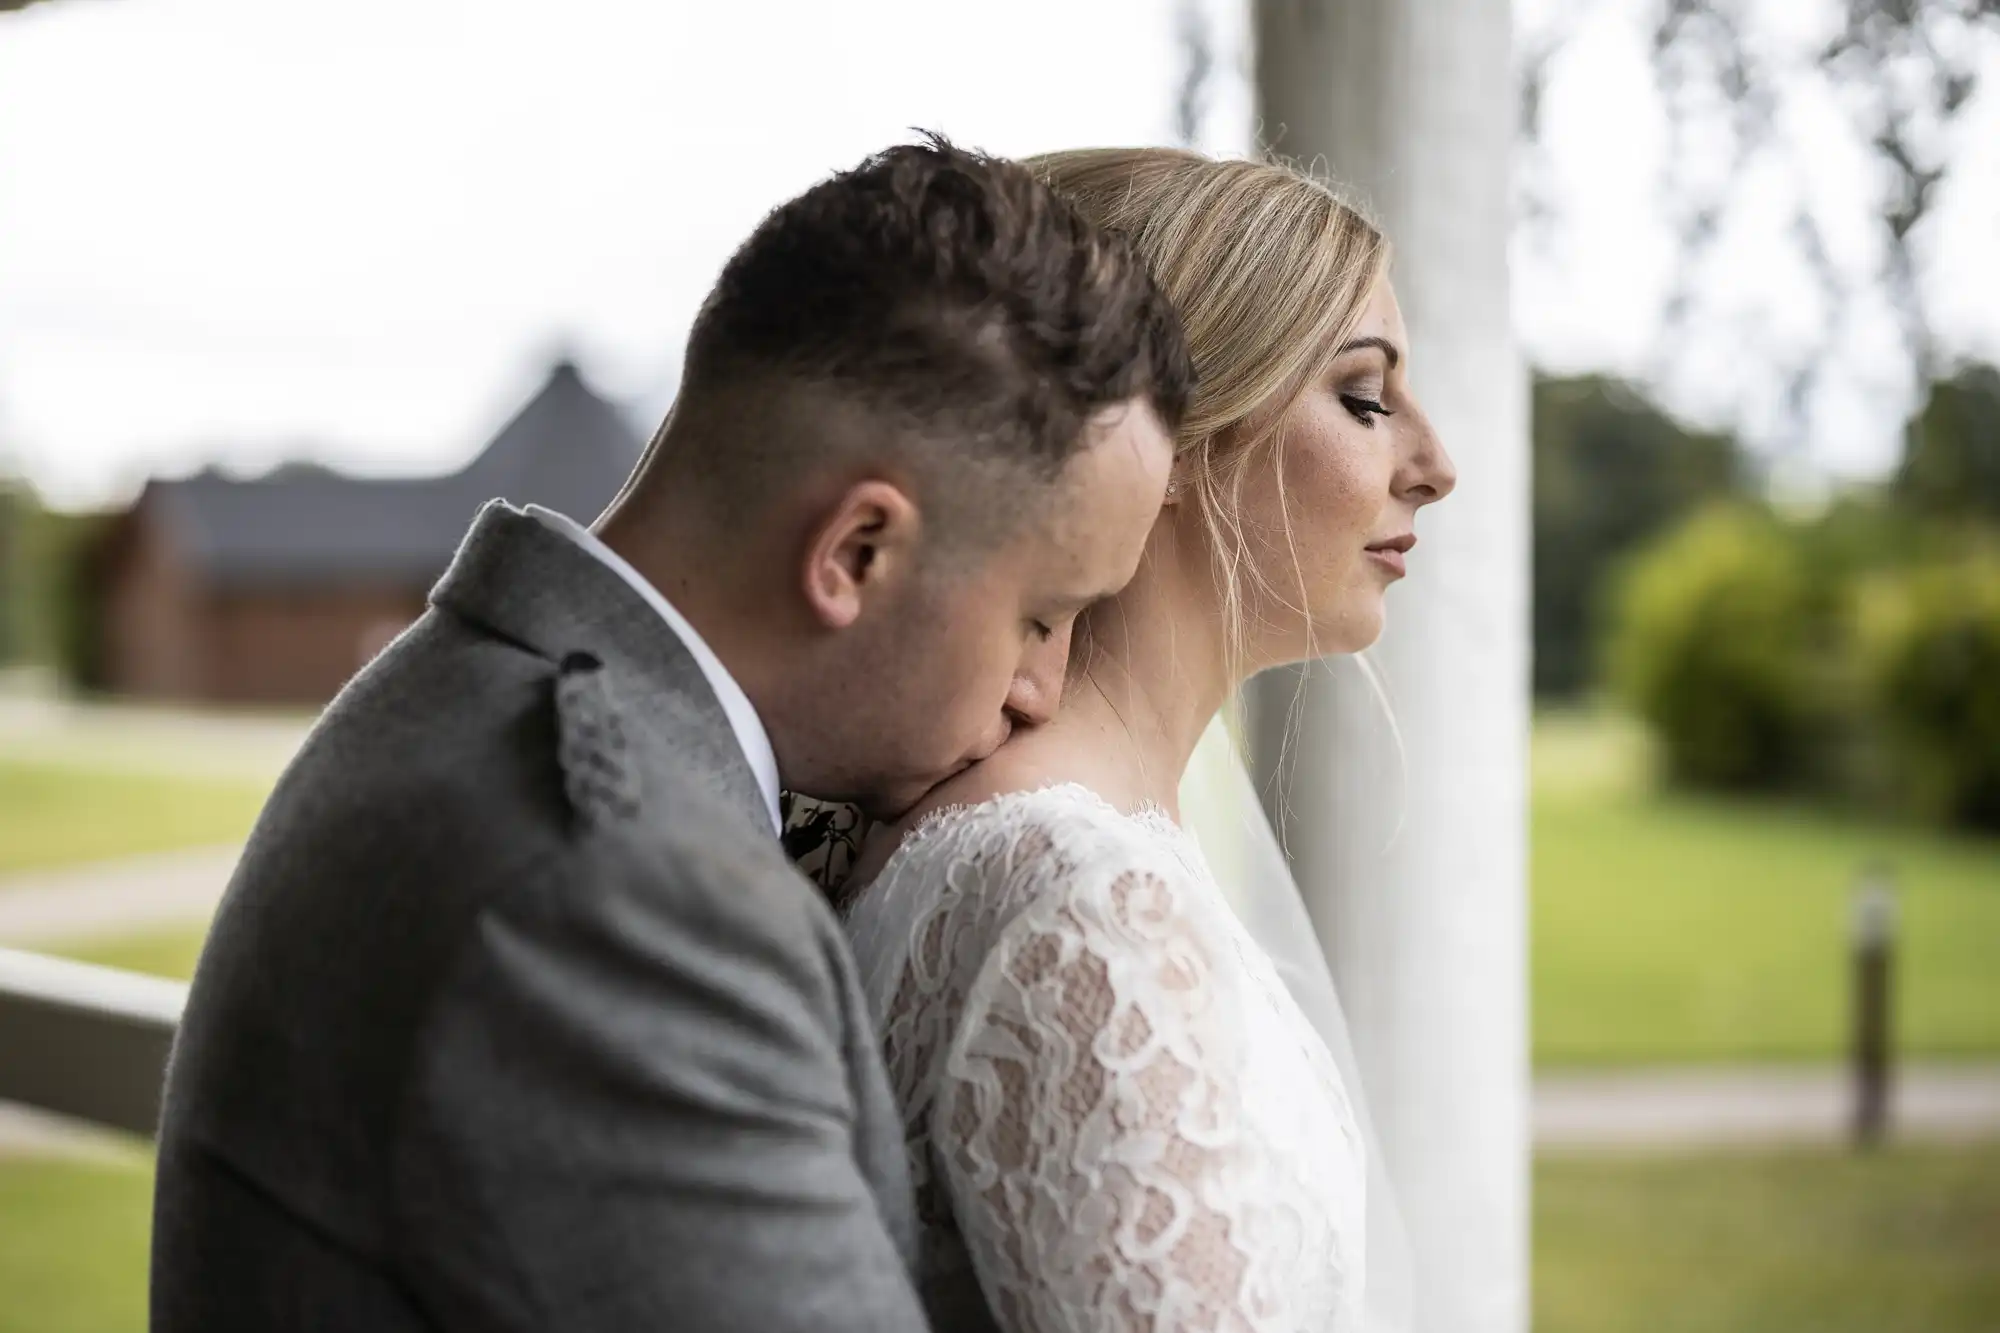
1383 345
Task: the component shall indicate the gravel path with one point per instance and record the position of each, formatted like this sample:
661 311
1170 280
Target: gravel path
1686 1108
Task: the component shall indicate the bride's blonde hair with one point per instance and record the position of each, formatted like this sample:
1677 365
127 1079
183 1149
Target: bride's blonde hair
1270 270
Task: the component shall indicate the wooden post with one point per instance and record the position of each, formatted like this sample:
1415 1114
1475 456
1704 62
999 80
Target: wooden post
1874 948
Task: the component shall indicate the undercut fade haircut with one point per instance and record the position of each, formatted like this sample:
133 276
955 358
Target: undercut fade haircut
957 316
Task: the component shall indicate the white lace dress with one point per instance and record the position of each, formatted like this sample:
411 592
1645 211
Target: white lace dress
1117 1118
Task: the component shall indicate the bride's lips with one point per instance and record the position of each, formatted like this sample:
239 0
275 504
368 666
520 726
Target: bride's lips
1389 554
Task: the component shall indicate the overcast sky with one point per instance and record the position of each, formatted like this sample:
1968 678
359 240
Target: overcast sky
356 230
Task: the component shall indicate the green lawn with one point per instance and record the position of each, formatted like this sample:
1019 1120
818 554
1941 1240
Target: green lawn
73 1239
57 814
1798 1243
1668 928
1793 1243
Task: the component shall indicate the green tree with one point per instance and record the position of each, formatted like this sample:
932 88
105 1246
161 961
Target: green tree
1951 459
1611 471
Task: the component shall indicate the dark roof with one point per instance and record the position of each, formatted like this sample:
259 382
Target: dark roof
567 449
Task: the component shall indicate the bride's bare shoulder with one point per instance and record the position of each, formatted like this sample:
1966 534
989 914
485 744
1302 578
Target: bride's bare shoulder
1025 765
1033 762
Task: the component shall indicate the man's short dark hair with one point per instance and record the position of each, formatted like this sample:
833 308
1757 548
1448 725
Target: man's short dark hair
948 295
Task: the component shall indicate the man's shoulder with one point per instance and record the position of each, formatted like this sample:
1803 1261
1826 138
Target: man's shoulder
465 776
449 784
522 769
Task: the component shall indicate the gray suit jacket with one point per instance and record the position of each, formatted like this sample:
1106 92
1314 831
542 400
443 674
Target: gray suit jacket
515 1016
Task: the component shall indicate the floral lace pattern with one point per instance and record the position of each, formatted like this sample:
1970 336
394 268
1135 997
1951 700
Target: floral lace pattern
1117 1118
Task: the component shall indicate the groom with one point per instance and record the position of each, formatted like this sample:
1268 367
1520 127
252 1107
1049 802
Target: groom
515 1016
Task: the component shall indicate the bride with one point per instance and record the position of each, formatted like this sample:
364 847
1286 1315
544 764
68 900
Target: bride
1122 1111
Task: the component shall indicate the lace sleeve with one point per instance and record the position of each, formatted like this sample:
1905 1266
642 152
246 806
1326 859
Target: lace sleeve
1091 1125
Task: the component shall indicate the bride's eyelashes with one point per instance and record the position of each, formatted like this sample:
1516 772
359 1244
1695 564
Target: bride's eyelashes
1042 631
1364 409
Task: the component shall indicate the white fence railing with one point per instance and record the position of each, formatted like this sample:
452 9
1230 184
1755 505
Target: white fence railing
85 1041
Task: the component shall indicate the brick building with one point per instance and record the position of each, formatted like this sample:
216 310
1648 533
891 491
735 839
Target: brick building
276 590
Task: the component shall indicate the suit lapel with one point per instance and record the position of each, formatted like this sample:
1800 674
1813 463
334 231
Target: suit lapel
515 578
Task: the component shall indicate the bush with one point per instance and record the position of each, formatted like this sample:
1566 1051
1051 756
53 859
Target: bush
73 615
1931 642
13 577
49 586
1726 640
1611 471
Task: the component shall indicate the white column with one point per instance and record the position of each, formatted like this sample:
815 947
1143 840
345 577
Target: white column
1414 865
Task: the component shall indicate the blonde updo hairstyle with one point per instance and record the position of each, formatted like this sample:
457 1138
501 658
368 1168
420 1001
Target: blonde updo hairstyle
1270 270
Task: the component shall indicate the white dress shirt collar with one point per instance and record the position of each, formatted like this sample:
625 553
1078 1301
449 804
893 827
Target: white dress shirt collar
751 737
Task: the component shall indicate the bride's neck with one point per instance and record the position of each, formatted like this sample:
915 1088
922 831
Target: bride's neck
1155 677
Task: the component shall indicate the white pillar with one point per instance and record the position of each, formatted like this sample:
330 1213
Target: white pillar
1414 867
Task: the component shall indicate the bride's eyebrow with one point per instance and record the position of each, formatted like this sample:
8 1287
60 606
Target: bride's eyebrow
1389 350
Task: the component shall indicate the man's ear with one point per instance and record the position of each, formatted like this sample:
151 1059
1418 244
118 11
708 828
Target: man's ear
865 542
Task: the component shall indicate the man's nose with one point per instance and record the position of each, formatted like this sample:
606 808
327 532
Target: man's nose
1036 691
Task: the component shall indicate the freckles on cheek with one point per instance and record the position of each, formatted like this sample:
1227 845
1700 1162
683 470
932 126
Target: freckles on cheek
1326 486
